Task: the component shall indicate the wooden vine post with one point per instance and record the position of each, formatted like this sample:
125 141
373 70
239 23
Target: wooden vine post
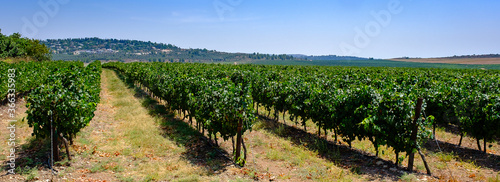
238 142
414 131
55 145
413 138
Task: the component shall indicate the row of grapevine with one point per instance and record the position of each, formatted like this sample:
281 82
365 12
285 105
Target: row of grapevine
377 104
220 103
3 80
64 103
470 101
351 105
345 99
28 75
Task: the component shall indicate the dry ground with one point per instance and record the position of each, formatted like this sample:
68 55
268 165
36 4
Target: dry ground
454 60
134 137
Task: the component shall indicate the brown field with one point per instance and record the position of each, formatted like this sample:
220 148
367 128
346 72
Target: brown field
453 60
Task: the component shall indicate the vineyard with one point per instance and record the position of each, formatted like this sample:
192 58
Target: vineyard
378 104
61 96
396 108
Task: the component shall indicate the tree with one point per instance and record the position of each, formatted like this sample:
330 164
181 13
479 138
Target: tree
16 46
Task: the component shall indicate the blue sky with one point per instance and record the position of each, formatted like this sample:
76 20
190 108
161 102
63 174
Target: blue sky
416 28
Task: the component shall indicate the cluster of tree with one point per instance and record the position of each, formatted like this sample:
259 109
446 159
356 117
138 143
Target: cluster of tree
14 46
89 49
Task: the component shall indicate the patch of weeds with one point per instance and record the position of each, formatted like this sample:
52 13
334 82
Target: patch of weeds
258 126
215 164
341 174
64 162
440 165
41 145
69 169
27 161
313 171
98 167
240 180
321 145
364 145
274 154
296 161
126 151
257 155
189 178
283 176
408 177
30 173
257 141
355 170
443 157
494 179
253 174
117 168
280 130
21 170
151 177
470 165
83 138
212 154
420 167
400 160
61 174
124 179
85 154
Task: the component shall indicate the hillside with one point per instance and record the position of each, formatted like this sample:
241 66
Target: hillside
88 49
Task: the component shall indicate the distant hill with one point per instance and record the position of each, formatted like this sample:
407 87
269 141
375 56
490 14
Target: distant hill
458 57
475 56
328 57
89 49
484 59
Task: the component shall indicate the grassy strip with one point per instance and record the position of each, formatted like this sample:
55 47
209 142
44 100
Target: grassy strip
130 143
